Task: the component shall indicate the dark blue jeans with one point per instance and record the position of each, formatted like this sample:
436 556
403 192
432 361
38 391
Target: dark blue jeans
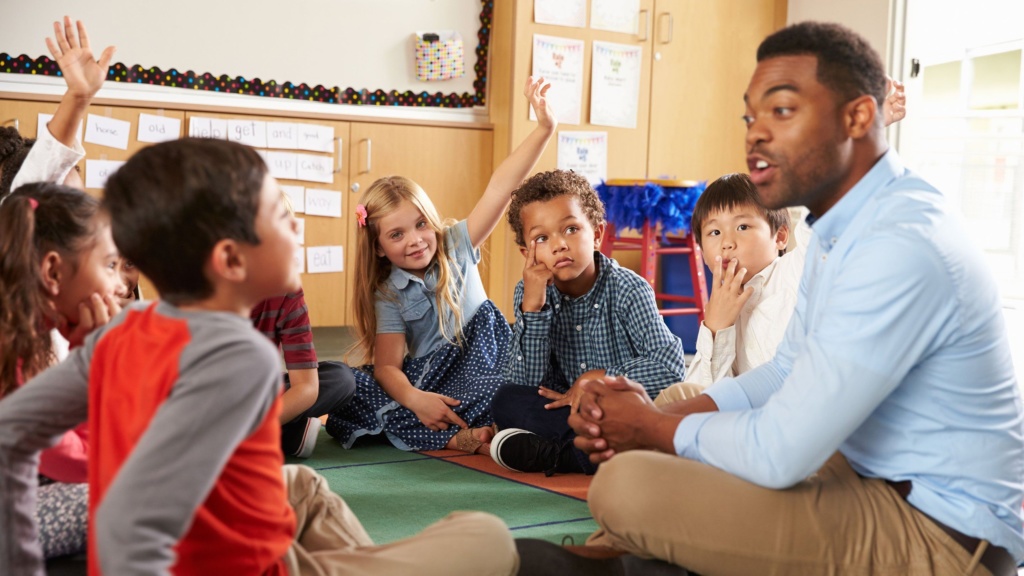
517 406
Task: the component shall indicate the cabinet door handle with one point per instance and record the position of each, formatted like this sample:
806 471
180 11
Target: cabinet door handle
671 24
647 24
338 150
369 155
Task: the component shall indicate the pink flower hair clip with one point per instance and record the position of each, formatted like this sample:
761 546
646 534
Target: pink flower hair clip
361 215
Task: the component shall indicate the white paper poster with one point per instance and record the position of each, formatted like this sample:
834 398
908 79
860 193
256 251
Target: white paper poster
320 259
300 229
44 119
153 128
97 172
585 153
323 202
615 84
107 131
284 135
216 128
297 195
300 259
315 168
249 132
560 62
560 12
315 137
615 15
282 165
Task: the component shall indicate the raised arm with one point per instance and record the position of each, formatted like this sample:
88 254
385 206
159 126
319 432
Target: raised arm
83 74
515 168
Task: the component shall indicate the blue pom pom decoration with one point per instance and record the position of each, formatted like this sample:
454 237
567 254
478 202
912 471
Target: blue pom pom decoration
629 207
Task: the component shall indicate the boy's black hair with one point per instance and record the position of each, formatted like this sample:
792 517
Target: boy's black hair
547 185
729 192
847 65
13 151
172 202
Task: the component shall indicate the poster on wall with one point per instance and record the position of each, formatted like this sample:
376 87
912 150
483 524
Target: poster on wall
615 84
615 15
585 153
560 62
561 12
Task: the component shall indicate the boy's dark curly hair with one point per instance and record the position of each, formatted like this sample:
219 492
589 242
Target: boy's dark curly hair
847 64
547 185
13 150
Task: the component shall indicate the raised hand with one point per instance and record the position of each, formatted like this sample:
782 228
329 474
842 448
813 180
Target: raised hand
536 279
895 106
92 313
435 410
83 74
727 296
536 91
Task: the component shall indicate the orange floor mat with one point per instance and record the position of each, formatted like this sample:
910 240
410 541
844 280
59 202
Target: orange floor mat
571 485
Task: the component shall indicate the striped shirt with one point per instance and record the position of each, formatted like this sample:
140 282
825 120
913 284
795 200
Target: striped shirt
614 327
285 320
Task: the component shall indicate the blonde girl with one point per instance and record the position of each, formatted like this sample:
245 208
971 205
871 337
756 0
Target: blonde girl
420 292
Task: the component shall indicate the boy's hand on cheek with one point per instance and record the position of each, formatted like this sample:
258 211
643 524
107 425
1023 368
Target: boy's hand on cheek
727 296
536 279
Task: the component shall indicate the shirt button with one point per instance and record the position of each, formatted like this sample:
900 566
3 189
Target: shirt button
578 327
596 306
824 257
519 358
834 240
583 366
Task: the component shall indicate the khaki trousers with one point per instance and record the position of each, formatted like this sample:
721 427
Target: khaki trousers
330 540
706 520
678 391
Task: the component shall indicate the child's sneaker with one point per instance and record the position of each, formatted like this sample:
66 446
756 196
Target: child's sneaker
523 451
299 438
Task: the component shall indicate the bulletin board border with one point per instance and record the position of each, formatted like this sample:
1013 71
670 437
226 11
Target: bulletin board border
190 80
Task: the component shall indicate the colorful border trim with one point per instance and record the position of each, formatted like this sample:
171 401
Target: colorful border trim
190 80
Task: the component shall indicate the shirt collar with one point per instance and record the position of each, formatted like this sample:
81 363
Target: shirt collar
604 266
400 278
830 226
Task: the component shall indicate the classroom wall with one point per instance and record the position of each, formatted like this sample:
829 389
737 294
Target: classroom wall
346 43
870 18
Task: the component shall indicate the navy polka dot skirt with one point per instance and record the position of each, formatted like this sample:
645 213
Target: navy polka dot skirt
471 374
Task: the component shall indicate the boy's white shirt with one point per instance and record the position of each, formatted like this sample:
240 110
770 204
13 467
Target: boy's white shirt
760 326
48 161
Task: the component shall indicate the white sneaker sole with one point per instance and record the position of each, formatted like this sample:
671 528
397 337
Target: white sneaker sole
498 440
309 438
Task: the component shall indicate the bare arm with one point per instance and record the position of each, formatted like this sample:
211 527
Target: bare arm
302 393
433 410
83 74
511 173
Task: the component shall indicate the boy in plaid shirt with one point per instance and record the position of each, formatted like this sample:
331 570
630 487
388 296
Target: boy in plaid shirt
579 316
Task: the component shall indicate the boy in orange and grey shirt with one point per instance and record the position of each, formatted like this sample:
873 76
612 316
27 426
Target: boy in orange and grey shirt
182 399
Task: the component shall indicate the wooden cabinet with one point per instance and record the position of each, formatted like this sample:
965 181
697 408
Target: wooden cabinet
698 58
453 165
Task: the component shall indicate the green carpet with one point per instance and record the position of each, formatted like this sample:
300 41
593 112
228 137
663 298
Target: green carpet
396 494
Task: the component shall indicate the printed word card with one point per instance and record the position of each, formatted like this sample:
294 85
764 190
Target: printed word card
300 229
249 132
44 119
315 168
283 135
107 131
208 128
300 259
97 172
315 137
154 128
281 164
321 259
323 202
297 195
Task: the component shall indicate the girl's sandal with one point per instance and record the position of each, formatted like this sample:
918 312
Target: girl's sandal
466 441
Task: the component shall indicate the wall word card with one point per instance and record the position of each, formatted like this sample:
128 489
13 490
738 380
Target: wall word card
615 84
323 202
208 128
300 259
283 135
107 131
153 128
300 229
585 153
44 119
249 132
321 259
282 165
315 168
560 62
97 172
297 195
316 137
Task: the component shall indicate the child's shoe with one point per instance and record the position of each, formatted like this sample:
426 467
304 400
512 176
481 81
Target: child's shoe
523 451
299 438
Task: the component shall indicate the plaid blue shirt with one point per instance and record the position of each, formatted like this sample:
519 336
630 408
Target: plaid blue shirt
615 326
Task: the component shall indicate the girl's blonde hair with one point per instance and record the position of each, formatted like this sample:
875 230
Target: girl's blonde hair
382 198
